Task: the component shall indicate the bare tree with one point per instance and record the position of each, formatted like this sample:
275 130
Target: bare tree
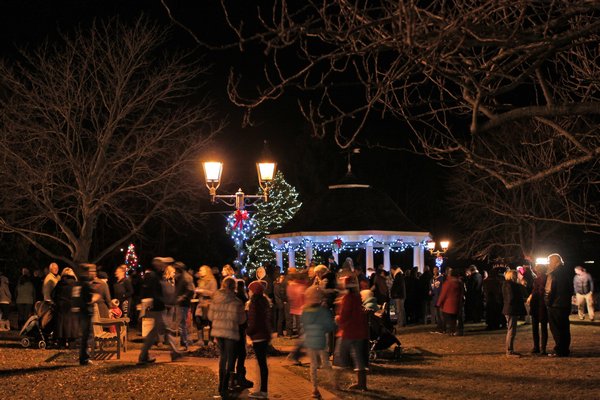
102 127
452 71
513 222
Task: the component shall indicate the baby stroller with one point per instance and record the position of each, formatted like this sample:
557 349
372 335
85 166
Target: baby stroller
38 328
381 335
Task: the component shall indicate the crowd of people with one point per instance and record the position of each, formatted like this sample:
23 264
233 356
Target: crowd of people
326 307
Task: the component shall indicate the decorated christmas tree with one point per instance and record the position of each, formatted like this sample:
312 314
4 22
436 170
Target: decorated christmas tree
240 227
131 259
282 205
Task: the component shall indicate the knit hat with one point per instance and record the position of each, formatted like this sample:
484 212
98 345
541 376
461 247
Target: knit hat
257 287
313 295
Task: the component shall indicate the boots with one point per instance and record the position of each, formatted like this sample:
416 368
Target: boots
361 383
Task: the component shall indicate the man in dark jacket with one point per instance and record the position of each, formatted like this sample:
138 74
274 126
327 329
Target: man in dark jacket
83 298
184 290
474 295
398 294
152 289
123 290
558 293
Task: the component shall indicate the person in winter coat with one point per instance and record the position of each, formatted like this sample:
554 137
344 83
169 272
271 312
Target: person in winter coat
353 331
226 312
398 295
280 303
539 313
100 287
295 294
451 300
436 289
123 289
380 288
583 284
557 295
514 307
67 321
206 287
50 281
492 294
5 296
318 323
184 290
259 330
25 296
152 288
240 347
169 294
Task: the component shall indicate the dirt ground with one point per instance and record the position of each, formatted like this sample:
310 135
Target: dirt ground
474 366
433 366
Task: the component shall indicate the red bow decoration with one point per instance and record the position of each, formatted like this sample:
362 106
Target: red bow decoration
240 216
338 243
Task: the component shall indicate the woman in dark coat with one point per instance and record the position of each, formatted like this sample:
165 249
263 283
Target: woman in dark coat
539 313
67 321
514 307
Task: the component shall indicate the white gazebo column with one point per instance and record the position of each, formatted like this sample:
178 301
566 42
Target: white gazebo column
279 258
419 257
291 258
336 255
369 257
386 257
309 254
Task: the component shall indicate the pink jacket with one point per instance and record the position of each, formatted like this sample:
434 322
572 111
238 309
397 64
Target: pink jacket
295 295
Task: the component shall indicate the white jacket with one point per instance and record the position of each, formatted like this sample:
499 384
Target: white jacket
227 314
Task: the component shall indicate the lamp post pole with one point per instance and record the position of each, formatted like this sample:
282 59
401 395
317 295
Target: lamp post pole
266 174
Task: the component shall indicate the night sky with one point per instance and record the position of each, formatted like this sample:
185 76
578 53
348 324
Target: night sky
415 183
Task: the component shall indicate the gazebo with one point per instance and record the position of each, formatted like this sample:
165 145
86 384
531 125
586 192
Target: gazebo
350 216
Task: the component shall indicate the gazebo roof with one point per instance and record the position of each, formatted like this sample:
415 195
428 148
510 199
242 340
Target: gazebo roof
351 208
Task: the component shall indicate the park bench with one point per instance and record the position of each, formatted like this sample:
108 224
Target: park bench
103 338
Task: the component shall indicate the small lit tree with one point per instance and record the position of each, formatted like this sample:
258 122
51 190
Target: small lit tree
131 259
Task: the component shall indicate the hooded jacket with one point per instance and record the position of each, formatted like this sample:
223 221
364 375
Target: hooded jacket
227 314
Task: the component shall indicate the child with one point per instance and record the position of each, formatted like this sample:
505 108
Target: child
259 330
114 312
317 322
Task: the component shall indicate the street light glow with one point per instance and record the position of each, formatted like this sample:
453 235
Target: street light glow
212 171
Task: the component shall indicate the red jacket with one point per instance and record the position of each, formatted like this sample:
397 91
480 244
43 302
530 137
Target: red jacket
451 297
259 319
352 319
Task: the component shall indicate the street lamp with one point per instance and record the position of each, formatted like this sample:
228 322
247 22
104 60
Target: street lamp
439 259
212 175
431 245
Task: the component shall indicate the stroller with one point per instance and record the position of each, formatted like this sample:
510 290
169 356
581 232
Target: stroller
381 335
38 328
